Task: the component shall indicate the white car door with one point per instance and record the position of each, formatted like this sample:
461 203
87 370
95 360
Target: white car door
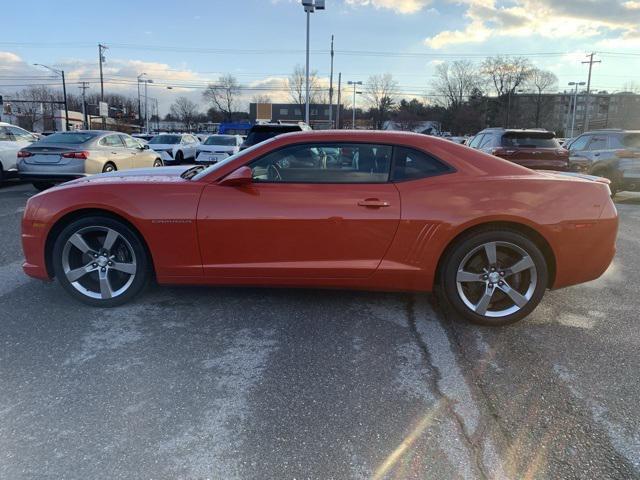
12 139
193 145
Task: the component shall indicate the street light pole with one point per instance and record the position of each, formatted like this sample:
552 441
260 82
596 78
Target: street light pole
353 125
64 93
575 102
139 101
309 6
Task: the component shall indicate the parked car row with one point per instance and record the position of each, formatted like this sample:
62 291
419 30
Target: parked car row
610 153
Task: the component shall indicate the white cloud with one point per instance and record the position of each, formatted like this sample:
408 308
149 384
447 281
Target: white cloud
546 18
399 6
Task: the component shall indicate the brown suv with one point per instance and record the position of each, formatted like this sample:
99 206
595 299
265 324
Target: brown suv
533 148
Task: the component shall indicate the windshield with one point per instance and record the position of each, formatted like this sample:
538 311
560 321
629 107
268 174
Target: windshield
165 140
229 159
260 135
70 138
220 140
530 140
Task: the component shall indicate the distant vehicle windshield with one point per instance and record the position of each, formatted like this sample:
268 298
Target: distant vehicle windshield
220 140
257 135
165 140
530 140
71 138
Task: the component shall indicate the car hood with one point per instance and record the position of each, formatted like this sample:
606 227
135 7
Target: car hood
137 175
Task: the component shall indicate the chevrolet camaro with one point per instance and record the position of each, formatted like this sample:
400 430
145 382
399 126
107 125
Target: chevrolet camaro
335 209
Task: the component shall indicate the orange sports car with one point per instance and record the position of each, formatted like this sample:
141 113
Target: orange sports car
338 209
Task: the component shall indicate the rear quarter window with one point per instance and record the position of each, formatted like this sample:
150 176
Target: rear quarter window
411 164
631 140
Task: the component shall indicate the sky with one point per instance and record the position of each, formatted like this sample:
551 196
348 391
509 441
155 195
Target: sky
189 43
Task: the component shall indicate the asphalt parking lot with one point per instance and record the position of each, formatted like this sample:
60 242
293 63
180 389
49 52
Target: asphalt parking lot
228 383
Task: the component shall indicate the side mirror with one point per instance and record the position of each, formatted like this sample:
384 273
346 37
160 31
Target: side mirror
240 177
145 147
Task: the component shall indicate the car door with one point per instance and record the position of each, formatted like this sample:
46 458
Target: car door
187 147
139 158
578 153
115 152
304 216
8 149
598 150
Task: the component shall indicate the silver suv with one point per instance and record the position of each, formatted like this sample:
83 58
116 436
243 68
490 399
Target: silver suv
610 153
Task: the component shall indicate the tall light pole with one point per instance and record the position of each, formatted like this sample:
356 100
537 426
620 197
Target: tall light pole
146 82
575 101
309 6
139 102
101 60
353 125
64 93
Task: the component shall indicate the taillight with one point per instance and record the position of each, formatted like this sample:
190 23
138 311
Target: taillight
81 155
24 154
627 154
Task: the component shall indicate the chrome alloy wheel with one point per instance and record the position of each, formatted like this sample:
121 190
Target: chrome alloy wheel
99 262
496 279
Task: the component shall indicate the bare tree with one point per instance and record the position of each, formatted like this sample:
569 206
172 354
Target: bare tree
380 91
541 80
506 74
455 82
185 111
298 85
39 106
261 99
224 95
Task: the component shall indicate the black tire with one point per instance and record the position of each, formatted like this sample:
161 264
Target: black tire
1 173
42 186
179 157
109 167
140 259
505 240
158 163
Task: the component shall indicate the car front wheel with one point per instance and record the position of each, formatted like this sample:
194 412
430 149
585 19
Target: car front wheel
100 261
494 277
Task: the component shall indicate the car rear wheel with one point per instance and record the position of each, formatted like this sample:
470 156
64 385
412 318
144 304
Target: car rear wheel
100 261
42 186
157 163
109 167
494 277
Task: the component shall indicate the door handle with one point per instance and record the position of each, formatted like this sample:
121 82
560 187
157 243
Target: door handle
373 203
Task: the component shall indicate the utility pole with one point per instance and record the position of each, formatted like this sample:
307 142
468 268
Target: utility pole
339 95
83 87
101 60
591 61
353 126
331 88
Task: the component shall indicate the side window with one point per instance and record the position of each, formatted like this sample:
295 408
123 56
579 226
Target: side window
111 141
598 143
475 140
486 141
5 136
325 163
21 134
410 164
130 142
580 143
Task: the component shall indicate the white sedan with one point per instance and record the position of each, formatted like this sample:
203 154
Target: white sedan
218 147
175 148
12 139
